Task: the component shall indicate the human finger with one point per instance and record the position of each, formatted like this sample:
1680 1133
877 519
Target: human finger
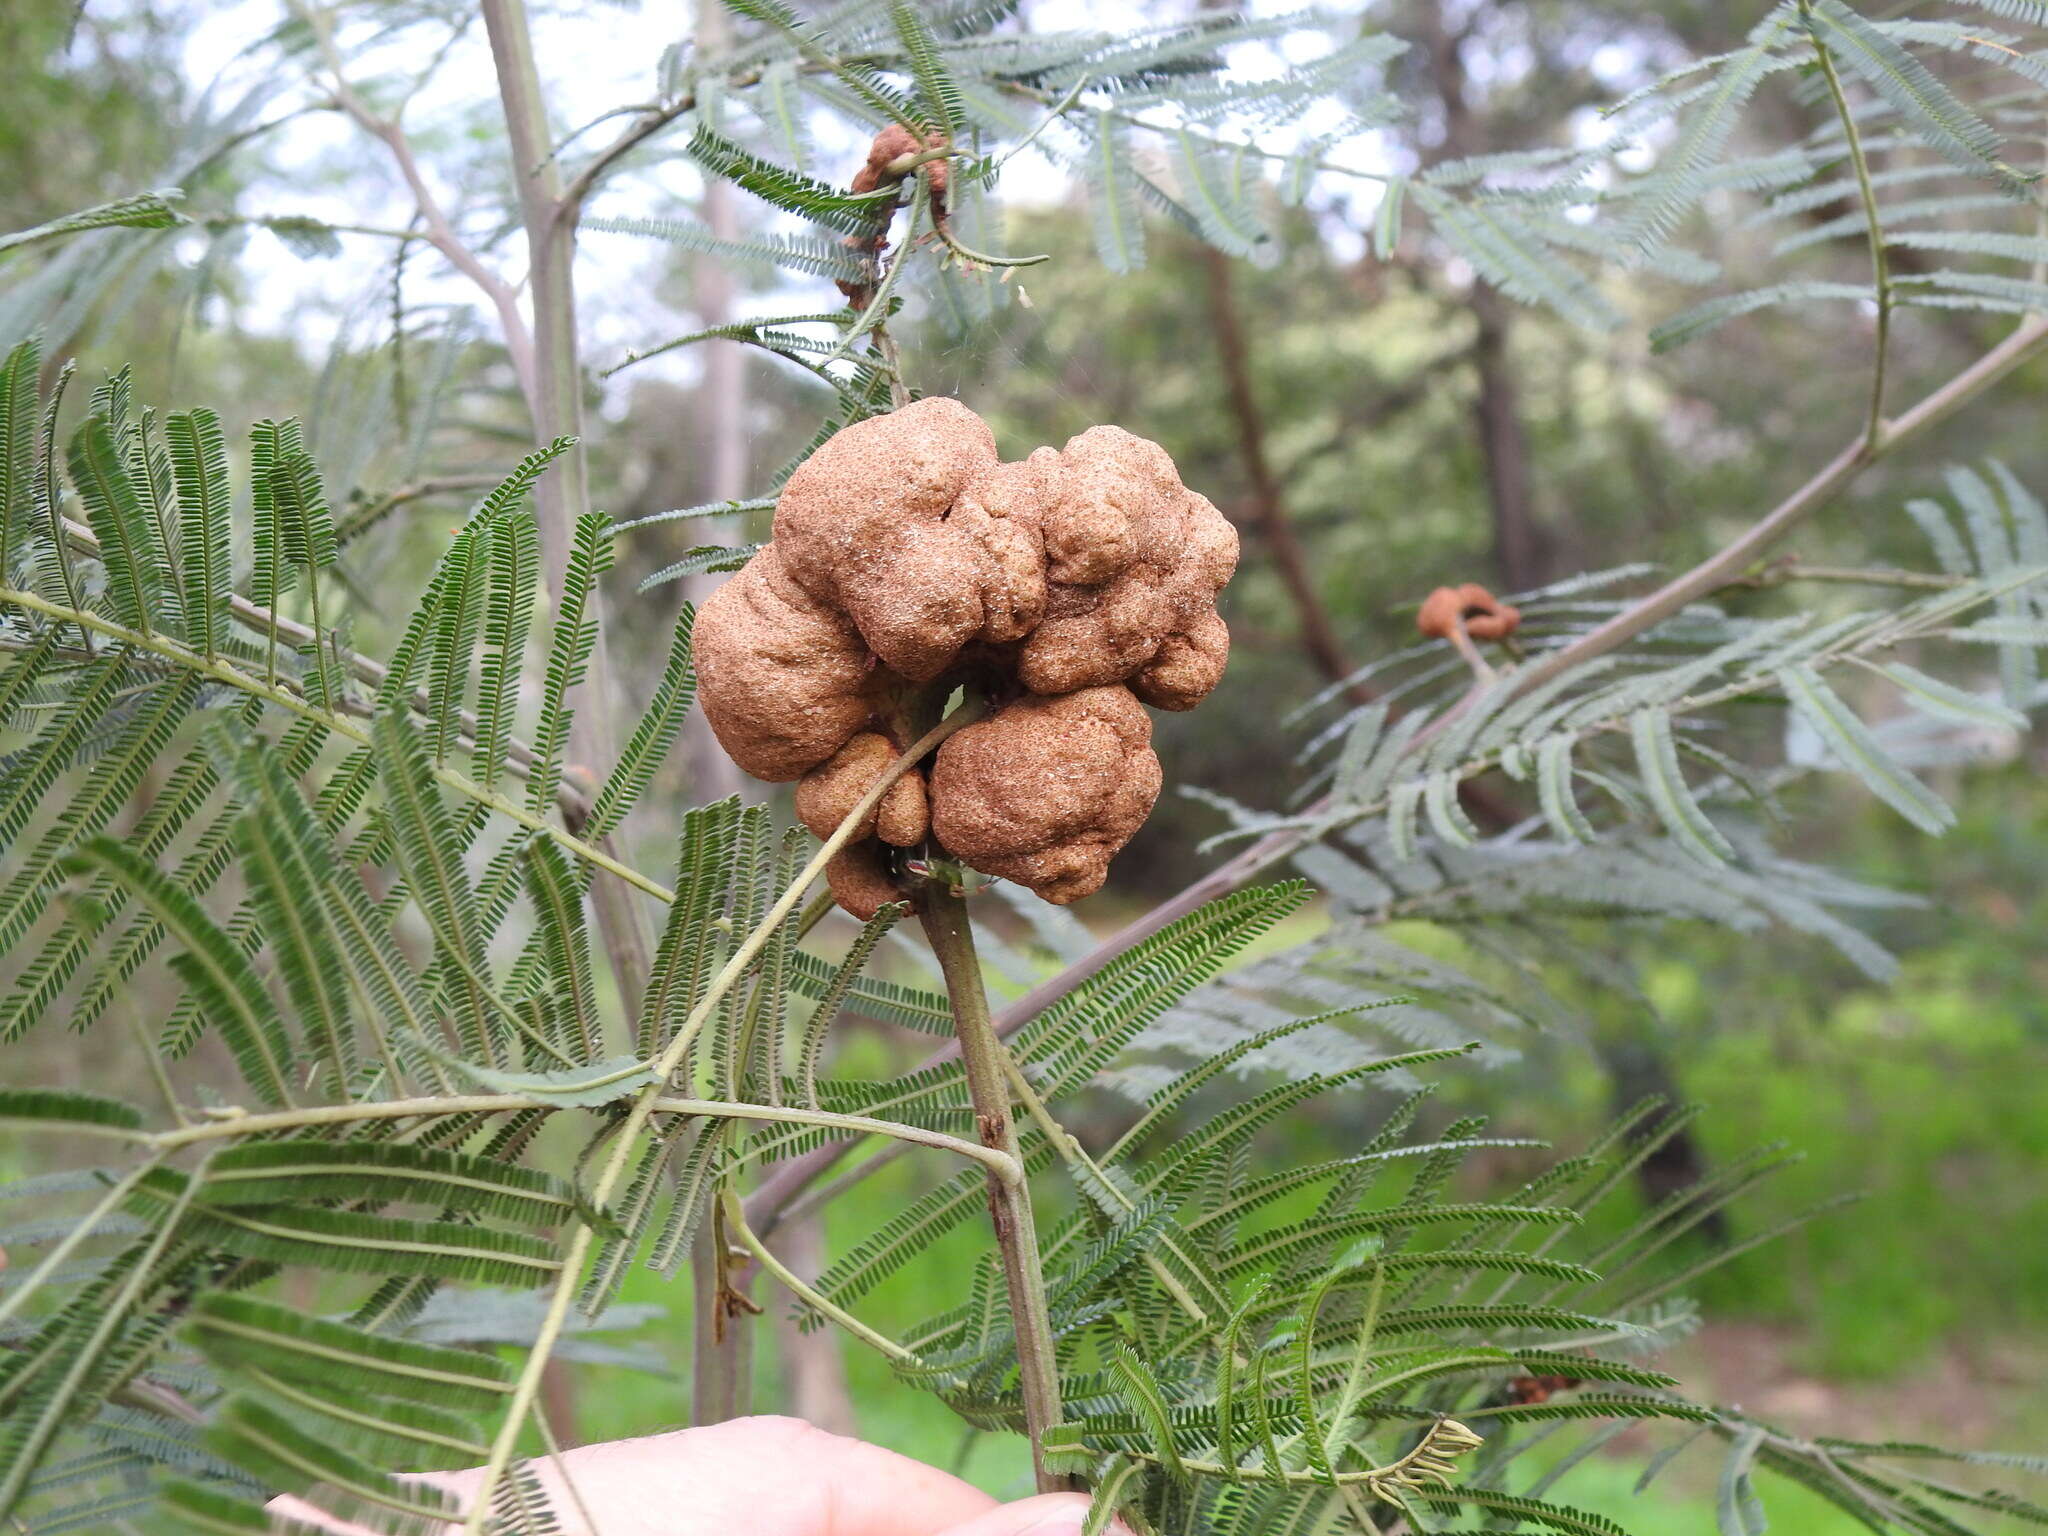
767 1476
1049 1514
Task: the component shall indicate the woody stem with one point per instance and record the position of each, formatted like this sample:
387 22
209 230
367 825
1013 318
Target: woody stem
943 912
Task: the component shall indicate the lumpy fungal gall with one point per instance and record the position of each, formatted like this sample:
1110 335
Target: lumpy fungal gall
909 560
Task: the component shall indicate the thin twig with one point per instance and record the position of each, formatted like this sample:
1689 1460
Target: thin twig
1790 569
438 230
1880 272
809 1295
943 912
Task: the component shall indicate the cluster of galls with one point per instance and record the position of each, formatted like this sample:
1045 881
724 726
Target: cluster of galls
909 560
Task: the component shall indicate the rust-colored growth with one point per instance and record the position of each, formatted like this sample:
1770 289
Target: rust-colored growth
893 143
1485 617
1529 1390
1047 790
859 872
828 793
1134 561
909 559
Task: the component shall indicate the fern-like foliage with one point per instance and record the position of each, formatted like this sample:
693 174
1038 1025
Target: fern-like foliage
1648 808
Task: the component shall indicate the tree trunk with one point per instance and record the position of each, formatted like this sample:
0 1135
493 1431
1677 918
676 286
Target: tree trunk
1521 549
1318 635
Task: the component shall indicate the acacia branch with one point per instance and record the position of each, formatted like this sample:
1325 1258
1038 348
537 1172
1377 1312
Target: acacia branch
1735 557
574 804
943 912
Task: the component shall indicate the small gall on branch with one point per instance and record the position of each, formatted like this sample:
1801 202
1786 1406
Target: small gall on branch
1470 608
909 560
895 153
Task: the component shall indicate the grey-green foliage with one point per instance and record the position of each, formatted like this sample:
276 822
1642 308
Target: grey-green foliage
1649 808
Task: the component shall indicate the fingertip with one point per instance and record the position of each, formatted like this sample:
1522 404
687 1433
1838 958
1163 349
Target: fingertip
1047 1514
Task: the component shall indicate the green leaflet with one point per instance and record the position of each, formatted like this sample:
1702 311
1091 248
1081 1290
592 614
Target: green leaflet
849 213
1386 223
129 547
1142 1391
512 572
351 1243
275 1172
1657 763
1554 788
1853 745
241 1330
1403 805
938 95
199 467
563 938
1514 259
1693 323
1214 188
834 994
145 210
1553 1517
1938 698
703 559
586 1087
285 862
569 648
1113 196
1677 182
652 737
20 378
691 947
213 966
1446 817
892 1002
1928 107
1737 1510
269 1446
429 852
812 254
65 1108
205 1509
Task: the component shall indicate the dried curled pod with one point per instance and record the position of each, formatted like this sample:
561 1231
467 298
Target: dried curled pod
909 559
1484 616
